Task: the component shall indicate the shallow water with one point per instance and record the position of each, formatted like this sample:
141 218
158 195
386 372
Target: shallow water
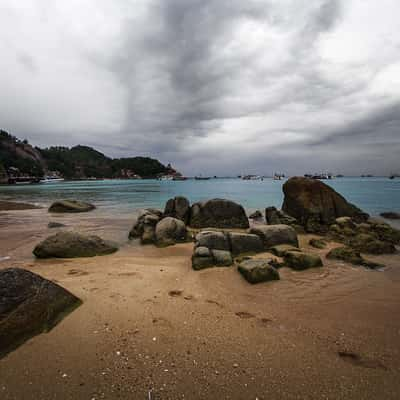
373 195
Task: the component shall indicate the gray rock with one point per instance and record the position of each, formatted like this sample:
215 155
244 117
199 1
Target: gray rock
245 243
144 227
213 240
178 207
52 225
299 260
258 270
281 249
170 231
222 258
148 235
218 213
70 206
72 244
257 215
199 263
277 217
202 252
29 304
272 235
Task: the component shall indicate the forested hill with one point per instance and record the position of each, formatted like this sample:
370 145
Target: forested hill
18 157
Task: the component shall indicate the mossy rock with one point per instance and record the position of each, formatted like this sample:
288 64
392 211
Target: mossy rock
70 206
300 261
367 243
351 256
258 270
317 243
281 249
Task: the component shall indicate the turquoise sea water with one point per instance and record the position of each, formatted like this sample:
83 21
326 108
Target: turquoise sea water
373 195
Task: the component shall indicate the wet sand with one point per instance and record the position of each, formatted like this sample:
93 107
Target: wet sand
150 323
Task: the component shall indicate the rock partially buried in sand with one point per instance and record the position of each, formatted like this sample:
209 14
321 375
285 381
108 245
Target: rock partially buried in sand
218 213
281 249
317 243
300 261
316 205
52 225
72 244
178 207
272 235
203 257
29 304
70 206
213 240
351 256
258 270
170 231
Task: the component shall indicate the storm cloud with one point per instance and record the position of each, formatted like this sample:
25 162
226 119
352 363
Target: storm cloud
213 86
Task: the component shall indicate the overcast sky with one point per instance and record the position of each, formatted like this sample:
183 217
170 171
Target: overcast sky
212 86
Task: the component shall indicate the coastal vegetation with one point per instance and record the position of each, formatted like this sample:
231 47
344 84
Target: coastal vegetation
19 158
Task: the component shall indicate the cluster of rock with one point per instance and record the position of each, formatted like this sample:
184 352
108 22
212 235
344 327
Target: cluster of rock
29 304
218 248
170 227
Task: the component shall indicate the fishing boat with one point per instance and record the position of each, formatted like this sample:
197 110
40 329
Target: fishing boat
51 179
202 178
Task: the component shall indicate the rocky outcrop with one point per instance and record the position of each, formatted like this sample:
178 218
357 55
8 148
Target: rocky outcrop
300 261
278 217
73 244
170 231
29 304
145 226
178 207
316 205
272 235
373 236
258 270
218 213
390 215
351 256
70 206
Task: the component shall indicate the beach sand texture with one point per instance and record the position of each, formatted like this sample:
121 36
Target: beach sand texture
152 328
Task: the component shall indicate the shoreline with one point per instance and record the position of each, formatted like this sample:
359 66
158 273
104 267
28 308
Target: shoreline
148 322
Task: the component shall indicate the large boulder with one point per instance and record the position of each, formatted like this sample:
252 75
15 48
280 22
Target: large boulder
145 226
213 240
245 243
170 231
316 205
258 270
29 304
178 207
299 260
272 235
73 244
218 213
70 206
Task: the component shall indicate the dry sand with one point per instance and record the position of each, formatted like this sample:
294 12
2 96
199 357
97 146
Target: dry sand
152 328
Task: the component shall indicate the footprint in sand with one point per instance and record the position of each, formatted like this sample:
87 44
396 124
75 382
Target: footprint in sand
214 302
359 361
175 293
244 314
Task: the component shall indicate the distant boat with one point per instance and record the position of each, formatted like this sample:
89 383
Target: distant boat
251 177
179 178
51 179
202 178
166 178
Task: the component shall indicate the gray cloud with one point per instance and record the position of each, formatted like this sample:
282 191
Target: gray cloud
217 86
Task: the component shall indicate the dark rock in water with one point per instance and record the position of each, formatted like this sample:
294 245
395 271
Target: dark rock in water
316 205
52 225
317 243
281 249
218 213
213 240
145 226
70 206
351 256
256 215
390 215
299 260
170 231
29 304
245 243
258 270
272 235
178 207
72 244
278 217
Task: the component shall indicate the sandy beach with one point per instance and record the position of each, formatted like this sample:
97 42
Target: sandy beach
150 327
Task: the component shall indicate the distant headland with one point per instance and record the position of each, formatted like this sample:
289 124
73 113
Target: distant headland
19 160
